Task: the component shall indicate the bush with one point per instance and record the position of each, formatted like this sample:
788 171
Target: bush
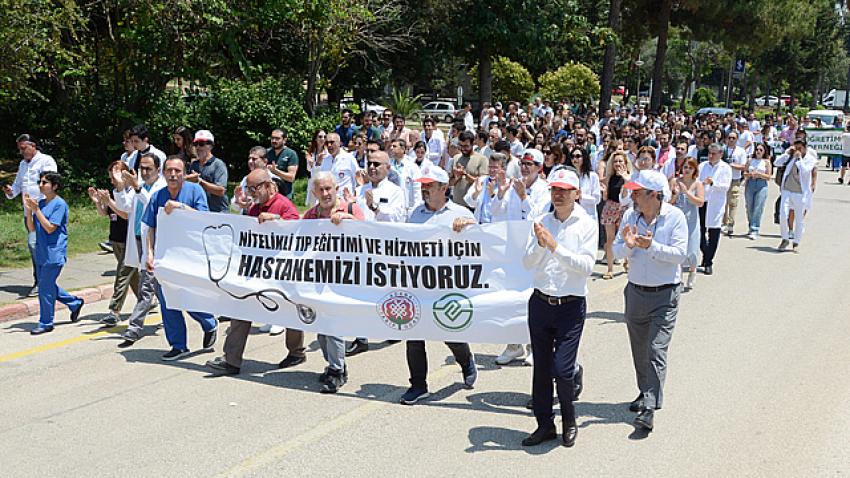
572 81
703 98
511 80
404 104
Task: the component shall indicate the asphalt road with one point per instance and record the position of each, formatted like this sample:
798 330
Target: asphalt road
757 386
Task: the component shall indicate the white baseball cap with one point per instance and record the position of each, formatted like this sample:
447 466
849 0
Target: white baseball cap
204 135
534 155
432 173
565 179
649 180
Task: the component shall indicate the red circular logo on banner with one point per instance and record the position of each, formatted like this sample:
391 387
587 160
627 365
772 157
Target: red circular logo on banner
399 310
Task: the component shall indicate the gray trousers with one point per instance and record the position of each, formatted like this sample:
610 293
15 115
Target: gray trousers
333 349
126 278
237 337
146 297
650 318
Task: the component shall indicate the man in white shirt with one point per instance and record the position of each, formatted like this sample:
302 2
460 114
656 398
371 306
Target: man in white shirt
482 194
561 251
381 201
435 145
796 189
755 127
746 139
654 238
26 183
436 209
716 176
526 198
341 164
737 157
140 139
408 172
516 145
468 120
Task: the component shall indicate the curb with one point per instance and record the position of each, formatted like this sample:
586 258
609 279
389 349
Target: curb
29 307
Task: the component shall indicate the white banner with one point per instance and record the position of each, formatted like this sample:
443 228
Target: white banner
826 142
359 279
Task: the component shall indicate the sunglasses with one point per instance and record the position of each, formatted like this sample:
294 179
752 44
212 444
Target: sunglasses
375 164
203 143
577 155
253 189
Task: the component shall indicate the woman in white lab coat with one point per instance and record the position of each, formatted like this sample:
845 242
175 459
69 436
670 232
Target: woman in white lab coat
591 193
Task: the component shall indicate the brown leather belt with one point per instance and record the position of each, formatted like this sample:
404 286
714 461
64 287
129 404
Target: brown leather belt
553 300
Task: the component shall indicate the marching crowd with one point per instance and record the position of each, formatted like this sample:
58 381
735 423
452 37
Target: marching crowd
655 192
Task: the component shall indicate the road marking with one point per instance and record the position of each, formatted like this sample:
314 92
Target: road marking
153 319
274 454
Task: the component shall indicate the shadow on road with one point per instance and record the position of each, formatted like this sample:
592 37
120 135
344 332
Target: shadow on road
505 439
21 290
607 316
767 249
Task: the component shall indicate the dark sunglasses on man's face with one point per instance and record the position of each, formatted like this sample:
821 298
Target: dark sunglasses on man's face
202 143
375 164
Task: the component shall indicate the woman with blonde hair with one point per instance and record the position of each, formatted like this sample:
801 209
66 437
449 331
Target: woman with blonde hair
616 175
689 196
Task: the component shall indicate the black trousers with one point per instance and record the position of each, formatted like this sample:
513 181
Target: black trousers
708 240
417 360
555 334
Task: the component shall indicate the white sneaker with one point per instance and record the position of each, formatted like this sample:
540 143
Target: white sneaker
265 328
691 278
276 330
529 360
512 352
752 236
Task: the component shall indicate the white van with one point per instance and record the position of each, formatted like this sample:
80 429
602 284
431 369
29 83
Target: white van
828 118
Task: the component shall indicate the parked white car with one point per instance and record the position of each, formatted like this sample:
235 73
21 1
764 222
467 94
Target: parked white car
767 101
365 105
440 110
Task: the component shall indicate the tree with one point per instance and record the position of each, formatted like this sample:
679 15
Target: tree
610 60
572 81
511 81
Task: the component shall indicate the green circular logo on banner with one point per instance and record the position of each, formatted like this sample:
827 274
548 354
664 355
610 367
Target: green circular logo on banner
453 312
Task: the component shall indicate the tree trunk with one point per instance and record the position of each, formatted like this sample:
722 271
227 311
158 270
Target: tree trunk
314 52
607 80
660 56
847 93
485 78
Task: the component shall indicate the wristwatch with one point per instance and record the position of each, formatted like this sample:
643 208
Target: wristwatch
373 207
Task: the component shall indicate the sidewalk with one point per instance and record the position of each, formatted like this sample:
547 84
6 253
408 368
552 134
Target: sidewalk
87 275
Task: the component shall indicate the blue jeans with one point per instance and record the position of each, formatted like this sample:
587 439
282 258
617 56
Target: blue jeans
756 195
175 325
49 293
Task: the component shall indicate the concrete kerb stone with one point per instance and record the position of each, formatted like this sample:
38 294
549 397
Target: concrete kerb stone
30 307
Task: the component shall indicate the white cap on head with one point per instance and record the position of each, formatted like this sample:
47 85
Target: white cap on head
204 135
649 180
432 173
534 155
564 179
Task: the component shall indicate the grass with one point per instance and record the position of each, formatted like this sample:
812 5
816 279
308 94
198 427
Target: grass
85 229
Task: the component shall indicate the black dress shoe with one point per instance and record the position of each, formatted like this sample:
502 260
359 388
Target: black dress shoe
291 361
578 383
568 438
645 418
636 404
539 436
75 315
355 347
708 271
41 330
222 367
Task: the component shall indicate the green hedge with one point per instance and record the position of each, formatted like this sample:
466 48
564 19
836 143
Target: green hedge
83 133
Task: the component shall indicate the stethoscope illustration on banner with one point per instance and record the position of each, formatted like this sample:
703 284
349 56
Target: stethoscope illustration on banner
265 296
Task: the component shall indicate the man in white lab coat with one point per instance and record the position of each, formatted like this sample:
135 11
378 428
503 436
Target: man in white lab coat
716 175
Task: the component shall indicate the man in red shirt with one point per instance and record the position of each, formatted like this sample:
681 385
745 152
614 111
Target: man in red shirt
332 207
269 205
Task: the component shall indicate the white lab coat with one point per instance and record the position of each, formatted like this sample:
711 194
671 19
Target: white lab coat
591 193
512 208
408 172
715 194
805 166
138 200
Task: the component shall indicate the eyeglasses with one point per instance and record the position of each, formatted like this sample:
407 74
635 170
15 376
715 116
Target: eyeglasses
577 155
253 189
203 143
644 158
375 164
